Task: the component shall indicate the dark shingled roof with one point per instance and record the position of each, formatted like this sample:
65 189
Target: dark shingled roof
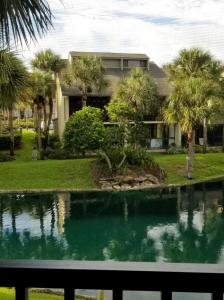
113 75
111 55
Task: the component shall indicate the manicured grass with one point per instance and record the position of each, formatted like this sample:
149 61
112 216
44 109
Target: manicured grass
206 166
23 173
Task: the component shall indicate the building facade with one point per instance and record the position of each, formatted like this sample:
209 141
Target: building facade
68 99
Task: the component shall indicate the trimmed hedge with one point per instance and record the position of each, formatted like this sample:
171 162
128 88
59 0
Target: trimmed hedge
5 141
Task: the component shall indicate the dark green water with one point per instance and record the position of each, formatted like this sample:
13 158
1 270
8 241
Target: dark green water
171 225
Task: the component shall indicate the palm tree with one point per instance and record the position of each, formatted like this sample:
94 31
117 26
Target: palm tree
195 63
87 72
13 80
191 101
50 62
23 19
136 95
42 85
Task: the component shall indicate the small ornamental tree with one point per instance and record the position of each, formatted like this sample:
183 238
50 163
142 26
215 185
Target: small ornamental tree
84 131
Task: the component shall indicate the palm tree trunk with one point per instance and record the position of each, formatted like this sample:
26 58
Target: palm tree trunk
190 156
46 132
204 135
39 138
11 133
84 99
45 116
35 117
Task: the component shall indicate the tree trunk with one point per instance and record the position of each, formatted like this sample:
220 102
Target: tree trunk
39 138
204 135
11 133
84 99
46 132
35 117
190 156
45 116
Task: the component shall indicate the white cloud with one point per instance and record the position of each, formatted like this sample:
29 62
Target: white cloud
159 28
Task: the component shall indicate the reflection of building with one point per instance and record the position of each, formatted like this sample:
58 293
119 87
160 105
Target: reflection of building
68 99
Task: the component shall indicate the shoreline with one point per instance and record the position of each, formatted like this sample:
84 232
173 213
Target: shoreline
74 190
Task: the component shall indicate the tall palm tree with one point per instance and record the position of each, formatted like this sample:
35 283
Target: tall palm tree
50 62
87 72
13 80
23 20
191 101
42 85
195 63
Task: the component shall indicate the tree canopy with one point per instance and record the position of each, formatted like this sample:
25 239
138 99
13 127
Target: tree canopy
136 95
87 73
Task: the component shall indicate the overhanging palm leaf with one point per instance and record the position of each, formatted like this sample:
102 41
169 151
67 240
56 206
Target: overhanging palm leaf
23 19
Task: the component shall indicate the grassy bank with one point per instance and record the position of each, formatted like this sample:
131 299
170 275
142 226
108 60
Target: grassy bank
206 166
23 173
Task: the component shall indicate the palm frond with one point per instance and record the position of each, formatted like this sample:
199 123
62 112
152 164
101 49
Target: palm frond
23 19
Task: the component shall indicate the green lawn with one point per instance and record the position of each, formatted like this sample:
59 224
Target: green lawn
23 173
206 166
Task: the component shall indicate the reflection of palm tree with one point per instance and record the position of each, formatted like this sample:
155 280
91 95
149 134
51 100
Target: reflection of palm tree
192 245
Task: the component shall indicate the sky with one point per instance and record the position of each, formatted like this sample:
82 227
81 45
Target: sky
158 28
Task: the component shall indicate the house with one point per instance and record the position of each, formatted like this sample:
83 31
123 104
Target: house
68 99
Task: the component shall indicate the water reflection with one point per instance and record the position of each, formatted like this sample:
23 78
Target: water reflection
176 225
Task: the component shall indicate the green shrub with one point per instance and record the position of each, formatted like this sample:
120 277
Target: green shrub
139 134
198 149
84 131
139 157
24 123
114 155
113 136
176 150
217 149
58 154
5 141
5 157
54 141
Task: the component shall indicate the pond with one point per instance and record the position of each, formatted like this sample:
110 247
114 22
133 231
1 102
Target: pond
166 225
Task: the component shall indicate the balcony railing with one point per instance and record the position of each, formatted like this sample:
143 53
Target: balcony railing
115 276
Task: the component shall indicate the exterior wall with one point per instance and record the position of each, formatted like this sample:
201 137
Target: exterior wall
112 63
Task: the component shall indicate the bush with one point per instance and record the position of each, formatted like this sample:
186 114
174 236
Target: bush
198 149
217 149
113 136
84 131
5 141
113 156
54 141
139 134
5 157
24 123
58 154
139 157
176 150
